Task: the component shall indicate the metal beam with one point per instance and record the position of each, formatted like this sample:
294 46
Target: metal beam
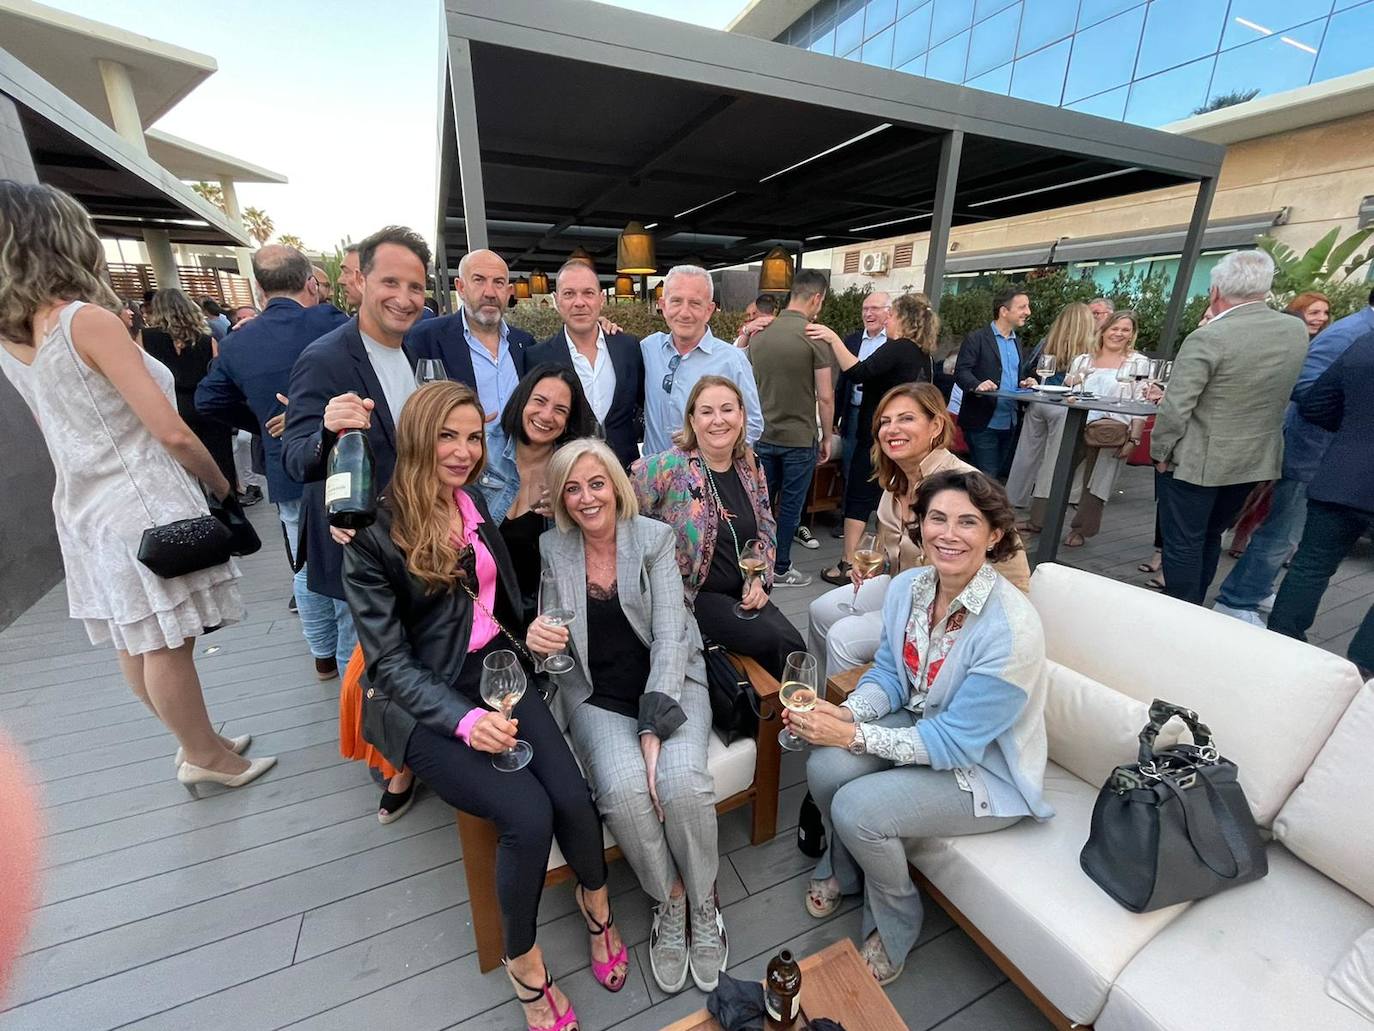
951 148
468 141
1192 244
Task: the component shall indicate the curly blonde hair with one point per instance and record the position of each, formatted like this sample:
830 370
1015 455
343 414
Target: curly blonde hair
178 316
48 252
919 322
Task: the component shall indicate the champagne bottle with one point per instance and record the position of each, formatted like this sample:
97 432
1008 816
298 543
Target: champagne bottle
810 829
782 991
350 488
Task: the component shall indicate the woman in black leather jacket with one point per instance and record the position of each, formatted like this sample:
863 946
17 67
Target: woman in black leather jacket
431 585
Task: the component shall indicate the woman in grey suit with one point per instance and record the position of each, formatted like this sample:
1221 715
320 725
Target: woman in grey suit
635 702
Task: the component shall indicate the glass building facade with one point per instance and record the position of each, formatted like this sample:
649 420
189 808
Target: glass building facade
1144 61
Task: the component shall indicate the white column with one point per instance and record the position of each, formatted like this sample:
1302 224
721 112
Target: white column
231 208
119 92
161 258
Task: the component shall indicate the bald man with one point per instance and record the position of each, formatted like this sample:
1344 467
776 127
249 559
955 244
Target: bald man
476 345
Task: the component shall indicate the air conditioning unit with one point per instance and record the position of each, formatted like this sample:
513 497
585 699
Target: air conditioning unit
875 263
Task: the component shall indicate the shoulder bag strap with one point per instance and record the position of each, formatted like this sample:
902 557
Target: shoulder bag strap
1211 831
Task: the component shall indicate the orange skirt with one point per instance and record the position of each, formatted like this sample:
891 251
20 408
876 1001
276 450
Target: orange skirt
351 743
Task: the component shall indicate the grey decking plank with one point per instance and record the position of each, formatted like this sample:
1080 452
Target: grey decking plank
1003 1008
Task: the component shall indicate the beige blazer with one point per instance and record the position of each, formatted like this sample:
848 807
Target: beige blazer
1221 421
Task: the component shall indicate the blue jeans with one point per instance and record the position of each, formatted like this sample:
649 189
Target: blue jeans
990 451
326 622
788 471
1252 578
1330 533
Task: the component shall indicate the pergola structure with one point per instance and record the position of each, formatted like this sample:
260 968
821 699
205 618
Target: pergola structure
563 120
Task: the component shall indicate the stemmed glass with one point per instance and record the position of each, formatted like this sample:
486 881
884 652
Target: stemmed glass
798 693
503 685
1160 371
1079 370
1044 368
868 560
752 563
1125 381
554 611
429 370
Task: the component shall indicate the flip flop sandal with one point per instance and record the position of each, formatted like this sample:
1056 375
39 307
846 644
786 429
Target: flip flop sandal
1075 540
1149 567
878 962
821 899
837 574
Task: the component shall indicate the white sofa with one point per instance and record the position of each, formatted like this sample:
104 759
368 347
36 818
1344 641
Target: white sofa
1300 726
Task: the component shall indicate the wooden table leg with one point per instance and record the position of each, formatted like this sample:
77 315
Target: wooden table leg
1058 505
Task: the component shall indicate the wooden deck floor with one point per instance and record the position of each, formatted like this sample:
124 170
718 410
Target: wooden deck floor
286 904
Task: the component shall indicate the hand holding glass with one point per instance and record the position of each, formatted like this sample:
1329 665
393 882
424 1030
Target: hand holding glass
503 685
798 693
868 560
554 611
752 565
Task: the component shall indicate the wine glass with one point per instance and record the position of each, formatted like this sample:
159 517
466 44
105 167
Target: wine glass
868 560
554 610
503 685
1141 366
798 693
753 562
429 370
1079 370
1125 381
1044 367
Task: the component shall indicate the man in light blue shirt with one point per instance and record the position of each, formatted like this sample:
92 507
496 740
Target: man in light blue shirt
675 360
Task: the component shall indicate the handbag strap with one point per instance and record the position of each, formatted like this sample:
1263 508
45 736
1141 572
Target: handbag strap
499 625
1160 713
1210 829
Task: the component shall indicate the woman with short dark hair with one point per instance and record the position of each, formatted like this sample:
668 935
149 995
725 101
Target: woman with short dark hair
945 734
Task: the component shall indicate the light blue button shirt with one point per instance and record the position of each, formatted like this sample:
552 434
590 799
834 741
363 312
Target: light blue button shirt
496 378
663 409
867 345
1005 415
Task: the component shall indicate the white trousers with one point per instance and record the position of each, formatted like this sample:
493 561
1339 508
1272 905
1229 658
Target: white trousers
848 640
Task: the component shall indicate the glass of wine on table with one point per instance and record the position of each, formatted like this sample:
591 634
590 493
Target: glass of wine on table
752 565
503 685
868 561
798 693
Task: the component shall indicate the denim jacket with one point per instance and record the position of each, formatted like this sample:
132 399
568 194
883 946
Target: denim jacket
500 481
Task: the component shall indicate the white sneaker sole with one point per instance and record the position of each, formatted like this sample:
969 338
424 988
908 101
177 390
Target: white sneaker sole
665 986
702 983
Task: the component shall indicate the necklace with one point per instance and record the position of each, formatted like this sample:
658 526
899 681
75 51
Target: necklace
720 507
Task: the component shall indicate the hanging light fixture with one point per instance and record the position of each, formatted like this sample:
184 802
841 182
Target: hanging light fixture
776 275
658 292
522 289
634 251
624 287
539 283
580 254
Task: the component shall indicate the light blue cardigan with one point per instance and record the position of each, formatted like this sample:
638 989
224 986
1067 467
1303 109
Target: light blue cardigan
984 714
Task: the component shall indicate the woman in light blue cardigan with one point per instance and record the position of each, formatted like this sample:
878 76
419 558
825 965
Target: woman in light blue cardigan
945 735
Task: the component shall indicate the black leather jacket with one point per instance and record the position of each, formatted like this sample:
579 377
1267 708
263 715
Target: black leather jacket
415 642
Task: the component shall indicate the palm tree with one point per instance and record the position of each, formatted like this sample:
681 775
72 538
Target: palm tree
213 192
291 240
259 224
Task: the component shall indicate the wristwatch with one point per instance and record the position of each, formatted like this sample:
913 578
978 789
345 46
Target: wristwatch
856 747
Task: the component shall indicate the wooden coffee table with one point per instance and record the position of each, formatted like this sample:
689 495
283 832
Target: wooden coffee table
835 984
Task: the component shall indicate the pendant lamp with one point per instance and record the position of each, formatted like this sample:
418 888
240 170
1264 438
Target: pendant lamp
635 251
580 254
539 283
522 288
776 274
624 287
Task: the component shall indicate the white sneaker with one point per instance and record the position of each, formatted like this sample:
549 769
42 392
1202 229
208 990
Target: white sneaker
1244 615
668 947
794 577
804 538
710 947
1267 605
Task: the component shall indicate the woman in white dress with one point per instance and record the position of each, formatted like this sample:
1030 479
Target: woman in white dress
124 461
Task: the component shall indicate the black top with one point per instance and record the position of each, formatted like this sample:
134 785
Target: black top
188 367
724 576
521 535
617 661
894 363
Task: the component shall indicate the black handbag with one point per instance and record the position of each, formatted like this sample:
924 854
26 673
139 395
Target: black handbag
735 707
1174 826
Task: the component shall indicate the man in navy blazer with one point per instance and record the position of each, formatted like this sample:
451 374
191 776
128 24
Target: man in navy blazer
357 376
1340 498
993 358
476 345
610 366
244 388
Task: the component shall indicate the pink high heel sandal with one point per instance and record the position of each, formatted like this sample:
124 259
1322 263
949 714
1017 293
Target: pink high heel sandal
563 1022
604 972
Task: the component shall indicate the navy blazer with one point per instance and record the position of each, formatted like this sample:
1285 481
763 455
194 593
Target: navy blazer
442 338
980 359
624 420
335 364
254 366
1342 401
844 384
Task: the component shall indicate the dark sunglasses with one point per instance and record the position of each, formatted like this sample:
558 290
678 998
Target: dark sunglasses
673 363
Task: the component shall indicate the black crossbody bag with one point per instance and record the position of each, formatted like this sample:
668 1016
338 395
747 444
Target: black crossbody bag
735 705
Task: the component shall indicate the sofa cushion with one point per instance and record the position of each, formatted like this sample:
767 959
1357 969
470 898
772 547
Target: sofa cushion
1093 729
1023 888
732 770
1329 821
1256 957
1271 701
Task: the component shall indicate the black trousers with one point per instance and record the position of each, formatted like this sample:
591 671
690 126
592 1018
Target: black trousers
548 799
770 638
1191 522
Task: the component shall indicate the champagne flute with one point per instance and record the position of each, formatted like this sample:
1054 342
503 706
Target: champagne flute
868 560
798 693
429 370
554 611
503 685
752 564
1044 367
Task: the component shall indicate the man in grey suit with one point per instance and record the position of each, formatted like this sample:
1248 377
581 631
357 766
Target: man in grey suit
1220 427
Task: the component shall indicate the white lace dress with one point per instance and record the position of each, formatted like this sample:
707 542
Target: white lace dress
114 480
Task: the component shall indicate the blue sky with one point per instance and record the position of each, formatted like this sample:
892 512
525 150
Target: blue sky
339 95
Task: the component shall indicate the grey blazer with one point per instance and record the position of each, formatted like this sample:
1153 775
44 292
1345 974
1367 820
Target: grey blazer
1221 421
650 589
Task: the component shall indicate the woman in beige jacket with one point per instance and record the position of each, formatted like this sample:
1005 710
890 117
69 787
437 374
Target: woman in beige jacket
912 431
